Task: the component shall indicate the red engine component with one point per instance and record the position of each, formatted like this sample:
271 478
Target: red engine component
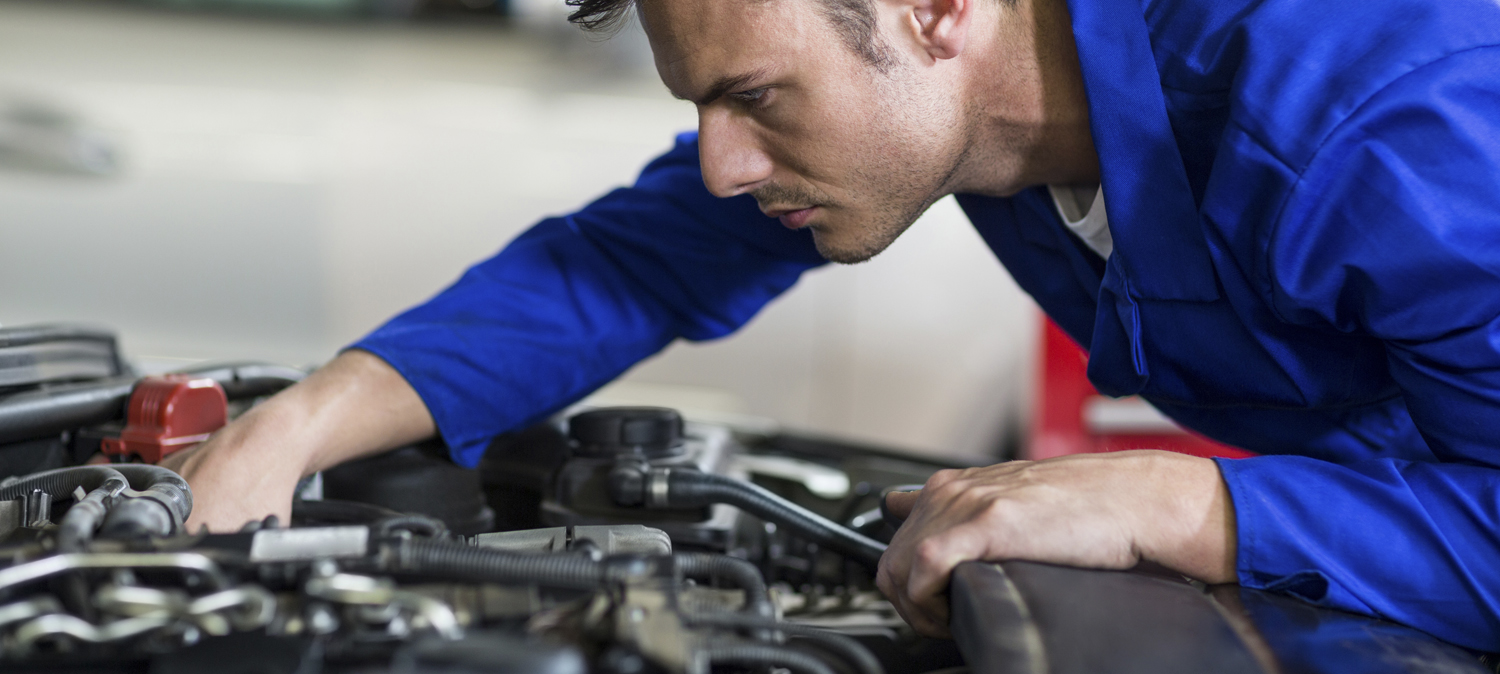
169 413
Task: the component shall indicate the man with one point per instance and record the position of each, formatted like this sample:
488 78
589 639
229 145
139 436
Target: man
1300 256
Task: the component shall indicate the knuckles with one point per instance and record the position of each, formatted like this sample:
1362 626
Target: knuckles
930 552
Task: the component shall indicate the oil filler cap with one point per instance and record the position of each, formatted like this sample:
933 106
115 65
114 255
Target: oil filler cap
648 432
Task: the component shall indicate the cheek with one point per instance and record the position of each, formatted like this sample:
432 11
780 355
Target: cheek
831 142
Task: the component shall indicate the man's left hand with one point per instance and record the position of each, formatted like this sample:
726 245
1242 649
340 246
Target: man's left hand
1106 511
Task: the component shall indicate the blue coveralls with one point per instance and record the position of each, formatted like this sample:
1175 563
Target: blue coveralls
1305 202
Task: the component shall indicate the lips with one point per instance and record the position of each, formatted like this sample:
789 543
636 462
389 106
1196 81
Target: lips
796 219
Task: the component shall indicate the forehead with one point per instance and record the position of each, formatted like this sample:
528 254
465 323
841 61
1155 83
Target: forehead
695 42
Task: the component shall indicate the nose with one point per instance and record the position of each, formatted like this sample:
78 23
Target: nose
732 157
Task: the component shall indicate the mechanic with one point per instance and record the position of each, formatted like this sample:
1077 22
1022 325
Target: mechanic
1300 256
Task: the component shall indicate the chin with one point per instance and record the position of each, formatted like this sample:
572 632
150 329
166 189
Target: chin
847 250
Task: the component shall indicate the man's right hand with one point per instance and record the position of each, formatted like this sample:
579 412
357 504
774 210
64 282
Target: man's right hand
354 406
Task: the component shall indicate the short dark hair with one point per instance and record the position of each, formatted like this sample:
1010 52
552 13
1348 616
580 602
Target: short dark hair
853 19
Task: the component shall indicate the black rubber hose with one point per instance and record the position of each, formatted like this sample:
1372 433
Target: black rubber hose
841 645
761 655
691 488
60 482
144 482
485 565
737 572
36 413
173 491
77 526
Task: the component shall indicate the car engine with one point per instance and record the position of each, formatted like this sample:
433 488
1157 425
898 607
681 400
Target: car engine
616 540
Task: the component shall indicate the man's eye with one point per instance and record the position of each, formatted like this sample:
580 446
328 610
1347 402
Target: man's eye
752 97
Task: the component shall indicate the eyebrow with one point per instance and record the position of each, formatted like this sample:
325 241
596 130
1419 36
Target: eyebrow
723 86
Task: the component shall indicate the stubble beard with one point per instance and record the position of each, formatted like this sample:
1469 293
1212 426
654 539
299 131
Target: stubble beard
899 180
900 196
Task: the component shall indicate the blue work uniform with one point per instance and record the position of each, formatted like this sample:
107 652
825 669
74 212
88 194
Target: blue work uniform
1304 197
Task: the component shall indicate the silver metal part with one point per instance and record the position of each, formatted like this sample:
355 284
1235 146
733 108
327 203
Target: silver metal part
421 612
38 512
242 608
647 620
822 481
10 516
612 539
656 487
550 539
46 567
291 545
64 625
616 539
30 608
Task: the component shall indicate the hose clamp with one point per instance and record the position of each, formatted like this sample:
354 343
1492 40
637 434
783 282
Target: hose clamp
657 495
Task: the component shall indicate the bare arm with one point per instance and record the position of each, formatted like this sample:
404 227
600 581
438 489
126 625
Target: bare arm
355 406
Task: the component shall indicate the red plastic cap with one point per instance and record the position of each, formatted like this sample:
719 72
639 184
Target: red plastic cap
169 413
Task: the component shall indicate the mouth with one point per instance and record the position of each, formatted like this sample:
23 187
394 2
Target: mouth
793 218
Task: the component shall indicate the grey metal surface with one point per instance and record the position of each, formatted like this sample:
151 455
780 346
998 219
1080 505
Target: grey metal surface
1089 622
1029 618
1306 639
612 539
991 623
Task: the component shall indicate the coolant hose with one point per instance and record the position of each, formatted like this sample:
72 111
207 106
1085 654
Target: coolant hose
737 572
159 499
77 526
162 485
679 488
761 655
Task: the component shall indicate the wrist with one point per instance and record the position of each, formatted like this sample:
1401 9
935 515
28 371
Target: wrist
273 437
1190 526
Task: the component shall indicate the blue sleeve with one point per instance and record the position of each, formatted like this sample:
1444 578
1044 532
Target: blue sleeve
1394 232
576 300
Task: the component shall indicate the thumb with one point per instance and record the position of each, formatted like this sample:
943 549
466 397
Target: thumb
898 504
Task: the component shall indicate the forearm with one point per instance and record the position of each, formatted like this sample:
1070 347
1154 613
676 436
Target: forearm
355 406
1191 529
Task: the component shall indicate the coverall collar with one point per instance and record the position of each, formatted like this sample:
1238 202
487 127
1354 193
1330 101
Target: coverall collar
1160 252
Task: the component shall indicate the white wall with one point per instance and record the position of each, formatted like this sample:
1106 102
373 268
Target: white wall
286 186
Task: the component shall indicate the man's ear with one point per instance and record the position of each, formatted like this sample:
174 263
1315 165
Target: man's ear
941 27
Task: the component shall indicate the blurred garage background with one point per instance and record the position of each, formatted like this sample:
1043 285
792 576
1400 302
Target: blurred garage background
270 179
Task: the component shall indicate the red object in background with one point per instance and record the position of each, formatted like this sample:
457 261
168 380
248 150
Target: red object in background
169 413
1070 416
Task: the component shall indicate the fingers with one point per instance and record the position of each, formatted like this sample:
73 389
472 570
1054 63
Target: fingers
900 503
925 619
947 522
932 567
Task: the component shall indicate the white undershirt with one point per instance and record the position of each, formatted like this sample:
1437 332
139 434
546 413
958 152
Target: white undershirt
1082 210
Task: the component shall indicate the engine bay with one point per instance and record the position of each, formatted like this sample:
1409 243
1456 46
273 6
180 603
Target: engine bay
623 540
606 540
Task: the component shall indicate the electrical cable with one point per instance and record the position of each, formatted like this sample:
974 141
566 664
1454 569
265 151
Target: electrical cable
741 573
691 488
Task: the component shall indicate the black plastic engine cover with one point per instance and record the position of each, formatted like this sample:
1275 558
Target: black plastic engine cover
418 479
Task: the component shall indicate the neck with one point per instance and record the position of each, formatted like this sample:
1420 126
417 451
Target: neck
1030 120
